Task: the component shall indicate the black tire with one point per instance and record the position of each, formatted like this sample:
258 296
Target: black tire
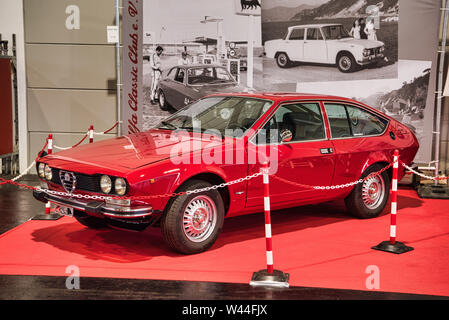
346 62
174 223
88 221
358 202
163 101
282 60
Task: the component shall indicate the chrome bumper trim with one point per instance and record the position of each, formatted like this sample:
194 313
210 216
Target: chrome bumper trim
95 207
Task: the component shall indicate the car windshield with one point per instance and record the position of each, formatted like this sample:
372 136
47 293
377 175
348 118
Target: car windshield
335 32
208 75
226 115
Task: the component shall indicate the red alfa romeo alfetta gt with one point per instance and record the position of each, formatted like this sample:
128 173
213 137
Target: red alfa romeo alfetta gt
308 140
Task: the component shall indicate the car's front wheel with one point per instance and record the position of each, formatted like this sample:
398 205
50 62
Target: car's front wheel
282 60
191 223
346 63
163 101
368 199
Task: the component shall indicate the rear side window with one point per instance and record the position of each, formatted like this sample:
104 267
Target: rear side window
349 121
364 123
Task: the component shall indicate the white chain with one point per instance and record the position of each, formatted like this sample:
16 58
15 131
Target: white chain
341 186
25 172
104 198
418 173
66 148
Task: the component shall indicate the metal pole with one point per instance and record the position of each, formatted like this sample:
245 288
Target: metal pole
118 67
440 90
250 72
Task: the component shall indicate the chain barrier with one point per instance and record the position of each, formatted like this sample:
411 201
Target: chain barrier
337 187
423 175
215 187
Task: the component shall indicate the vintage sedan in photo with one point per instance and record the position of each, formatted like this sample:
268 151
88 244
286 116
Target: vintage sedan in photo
312 140
185 84
324 44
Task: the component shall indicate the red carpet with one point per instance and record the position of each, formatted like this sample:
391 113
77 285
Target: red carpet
318 245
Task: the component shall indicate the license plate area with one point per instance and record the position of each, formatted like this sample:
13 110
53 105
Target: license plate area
65 211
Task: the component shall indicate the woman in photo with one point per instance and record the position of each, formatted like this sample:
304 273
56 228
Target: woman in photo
370 30
355 31
362 25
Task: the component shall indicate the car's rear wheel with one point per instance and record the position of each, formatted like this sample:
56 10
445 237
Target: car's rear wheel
282 60
346 63
163 101
89 221
192 223
368 199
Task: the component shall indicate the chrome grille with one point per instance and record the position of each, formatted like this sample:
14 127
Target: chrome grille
68 180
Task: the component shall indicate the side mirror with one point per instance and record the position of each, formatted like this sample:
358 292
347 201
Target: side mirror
286 136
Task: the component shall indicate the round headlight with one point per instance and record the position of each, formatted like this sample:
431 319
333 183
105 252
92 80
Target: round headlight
105 184
120 186
47 172
40 170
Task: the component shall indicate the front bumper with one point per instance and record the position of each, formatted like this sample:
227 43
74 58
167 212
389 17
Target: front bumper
371 59
95 207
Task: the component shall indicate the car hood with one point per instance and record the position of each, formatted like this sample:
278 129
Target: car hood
218 88
128 152
367 44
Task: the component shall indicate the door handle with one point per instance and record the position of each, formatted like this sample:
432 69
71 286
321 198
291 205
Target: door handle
327 151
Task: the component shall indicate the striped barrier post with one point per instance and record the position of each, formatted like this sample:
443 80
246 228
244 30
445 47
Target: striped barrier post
393 246
50 144
48 215
269 276
91 134
266 201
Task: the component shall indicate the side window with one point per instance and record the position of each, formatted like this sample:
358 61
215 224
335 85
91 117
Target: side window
338 120
297 34
304 120
314 34
172 73
364 123
180 75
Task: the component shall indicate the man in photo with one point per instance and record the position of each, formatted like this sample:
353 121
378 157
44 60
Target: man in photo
184 60
156 72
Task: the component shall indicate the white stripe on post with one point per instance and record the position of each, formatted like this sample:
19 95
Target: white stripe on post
394 207
266 203
393 231
394 186
268 230
270 258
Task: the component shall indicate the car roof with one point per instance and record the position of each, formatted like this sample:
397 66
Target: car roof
199 66
314 25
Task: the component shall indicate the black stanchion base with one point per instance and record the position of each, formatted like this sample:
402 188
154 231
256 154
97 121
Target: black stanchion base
431 191
52 216
276 279
397 248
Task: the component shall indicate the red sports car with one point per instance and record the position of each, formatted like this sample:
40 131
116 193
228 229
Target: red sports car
164 176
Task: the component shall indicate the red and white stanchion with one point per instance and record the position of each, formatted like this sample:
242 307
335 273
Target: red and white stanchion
392 245
91 134
270 276
48 215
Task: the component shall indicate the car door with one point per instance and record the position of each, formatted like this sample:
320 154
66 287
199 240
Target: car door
315 47
307 159
176 88
295 44
356 134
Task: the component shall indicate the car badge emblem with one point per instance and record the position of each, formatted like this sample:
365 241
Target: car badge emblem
68 181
